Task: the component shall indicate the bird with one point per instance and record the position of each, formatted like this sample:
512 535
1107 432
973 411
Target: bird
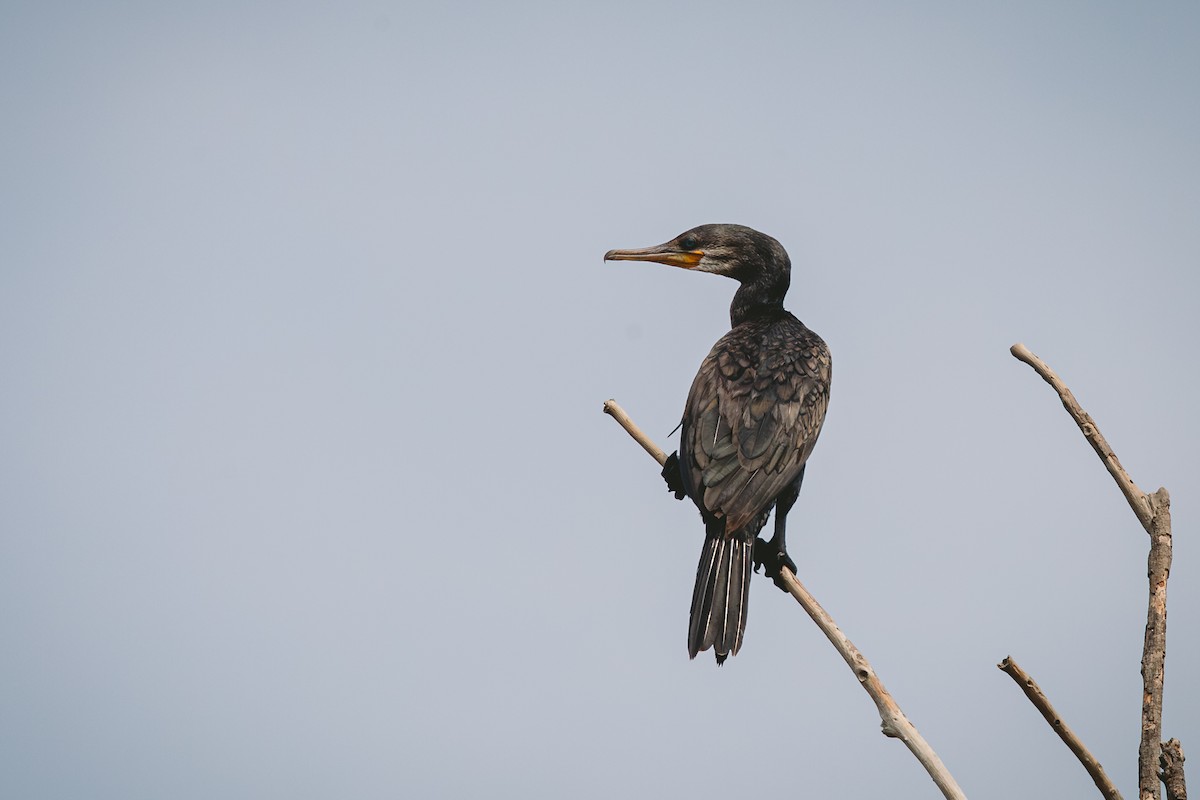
751 420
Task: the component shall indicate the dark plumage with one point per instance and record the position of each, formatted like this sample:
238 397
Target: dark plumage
750 423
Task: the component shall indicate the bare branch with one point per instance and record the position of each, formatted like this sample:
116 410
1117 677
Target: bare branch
616 412
1171 762
894 723
1135 496
1042 704
1154 512
1154 650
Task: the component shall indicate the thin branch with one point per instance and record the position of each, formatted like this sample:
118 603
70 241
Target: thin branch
1042 704
894 723
616 412
1154 512
1171 762
1135 496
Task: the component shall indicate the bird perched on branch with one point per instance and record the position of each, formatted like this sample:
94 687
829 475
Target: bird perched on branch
750 423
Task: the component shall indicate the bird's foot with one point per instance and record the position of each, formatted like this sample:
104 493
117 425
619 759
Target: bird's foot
772 557
673 476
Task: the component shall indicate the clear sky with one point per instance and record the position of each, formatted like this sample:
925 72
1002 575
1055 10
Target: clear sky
305 490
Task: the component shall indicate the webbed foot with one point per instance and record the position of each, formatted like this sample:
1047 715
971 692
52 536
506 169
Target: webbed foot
772 557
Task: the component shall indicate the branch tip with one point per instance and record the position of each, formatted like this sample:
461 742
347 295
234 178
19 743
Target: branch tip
1042 704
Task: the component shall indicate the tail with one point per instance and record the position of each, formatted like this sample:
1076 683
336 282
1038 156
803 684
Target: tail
721 596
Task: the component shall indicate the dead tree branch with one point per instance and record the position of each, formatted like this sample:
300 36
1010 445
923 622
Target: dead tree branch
894 723
1171 762
1042 704
1154 512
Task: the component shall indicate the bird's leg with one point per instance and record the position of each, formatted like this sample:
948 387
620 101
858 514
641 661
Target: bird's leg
772 555
673 477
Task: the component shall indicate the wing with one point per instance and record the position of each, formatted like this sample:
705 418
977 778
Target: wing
752 417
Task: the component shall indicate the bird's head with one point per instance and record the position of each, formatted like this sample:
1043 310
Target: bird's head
733 250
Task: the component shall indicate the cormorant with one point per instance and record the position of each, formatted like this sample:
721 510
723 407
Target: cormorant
751 420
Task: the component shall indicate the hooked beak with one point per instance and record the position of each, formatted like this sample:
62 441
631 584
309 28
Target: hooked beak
661 254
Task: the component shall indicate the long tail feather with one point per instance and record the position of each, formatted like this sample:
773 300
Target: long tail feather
721 597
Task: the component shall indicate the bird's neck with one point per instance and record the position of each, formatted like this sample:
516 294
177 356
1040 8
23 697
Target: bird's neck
760 299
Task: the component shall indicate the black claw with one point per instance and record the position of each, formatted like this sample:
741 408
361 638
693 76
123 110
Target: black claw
773 559
673 477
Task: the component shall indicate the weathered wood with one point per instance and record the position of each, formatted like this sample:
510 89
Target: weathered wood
1042 704
1154 512
1171 762
1154 650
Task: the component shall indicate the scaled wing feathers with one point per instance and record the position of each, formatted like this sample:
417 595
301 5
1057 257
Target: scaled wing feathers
753 416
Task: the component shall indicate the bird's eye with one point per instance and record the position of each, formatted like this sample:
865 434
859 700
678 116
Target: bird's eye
688 243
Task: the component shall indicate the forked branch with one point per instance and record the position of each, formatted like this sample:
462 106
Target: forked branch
894 723
1154 512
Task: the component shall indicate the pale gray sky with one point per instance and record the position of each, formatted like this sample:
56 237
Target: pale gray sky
305 490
